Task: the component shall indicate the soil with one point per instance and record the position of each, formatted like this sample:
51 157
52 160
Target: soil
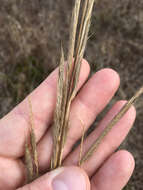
31 33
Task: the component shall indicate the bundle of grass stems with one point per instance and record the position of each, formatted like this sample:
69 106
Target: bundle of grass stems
67 90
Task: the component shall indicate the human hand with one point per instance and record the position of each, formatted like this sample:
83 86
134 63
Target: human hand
106 169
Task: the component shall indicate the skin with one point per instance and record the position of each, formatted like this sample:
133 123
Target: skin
114 168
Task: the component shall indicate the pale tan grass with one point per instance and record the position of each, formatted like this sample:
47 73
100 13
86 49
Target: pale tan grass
31 157
69 77
112 123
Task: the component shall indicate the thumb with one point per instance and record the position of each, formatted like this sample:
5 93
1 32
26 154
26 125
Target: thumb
65 178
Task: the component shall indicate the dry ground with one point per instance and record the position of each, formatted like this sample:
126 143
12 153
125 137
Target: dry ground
30 35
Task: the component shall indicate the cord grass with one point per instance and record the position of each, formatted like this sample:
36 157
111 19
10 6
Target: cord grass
111 124
31 157
69 77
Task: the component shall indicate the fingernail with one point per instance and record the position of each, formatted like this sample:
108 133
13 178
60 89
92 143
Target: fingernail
69 179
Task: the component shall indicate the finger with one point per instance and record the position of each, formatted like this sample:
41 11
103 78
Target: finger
61 179
12 173
109 144
15 126
93 97
115 172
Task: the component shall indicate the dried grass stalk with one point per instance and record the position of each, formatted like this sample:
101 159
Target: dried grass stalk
112 123
69 76
28 164
31 157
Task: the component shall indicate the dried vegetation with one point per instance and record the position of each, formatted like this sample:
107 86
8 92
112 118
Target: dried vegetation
118 47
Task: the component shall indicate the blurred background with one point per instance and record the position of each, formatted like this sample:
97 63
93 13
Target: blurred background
31 32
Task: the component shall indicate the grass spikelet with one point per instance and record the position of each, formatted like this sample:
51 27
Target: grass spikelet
28 164
31 157
111 124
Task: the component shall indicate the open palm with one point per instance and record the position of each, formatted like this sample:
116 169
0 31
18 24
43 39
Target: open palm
106 169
